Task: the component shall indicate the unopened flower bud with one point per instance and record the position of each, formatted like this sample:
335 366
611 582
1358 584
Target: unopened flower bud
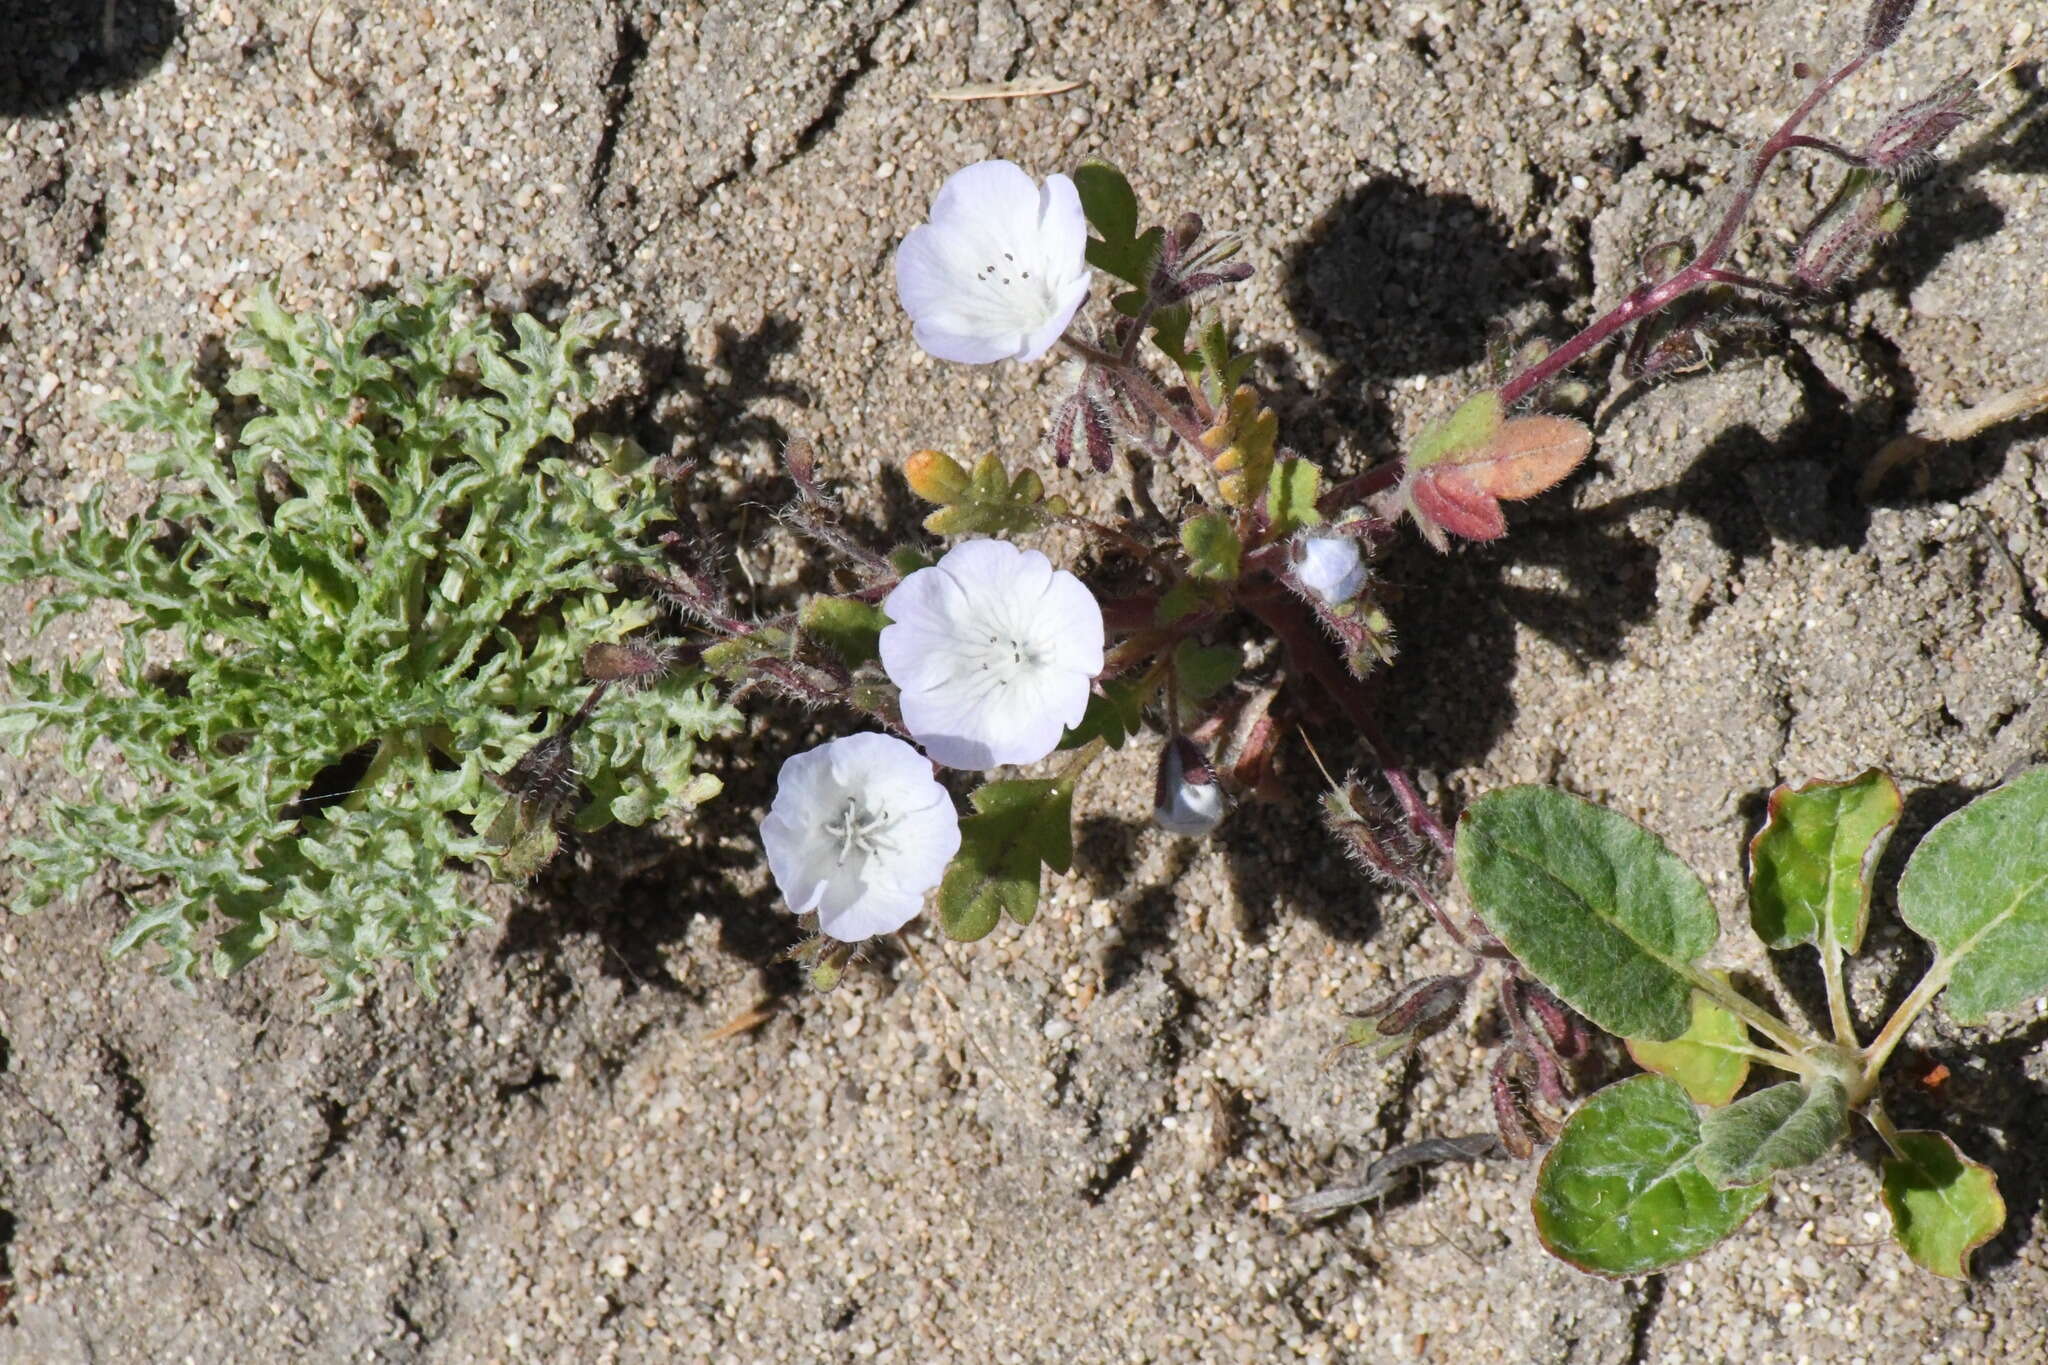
1187 801
1186 229
1885 22
1861 213
1331 567
1908 140
629 664
1412 1013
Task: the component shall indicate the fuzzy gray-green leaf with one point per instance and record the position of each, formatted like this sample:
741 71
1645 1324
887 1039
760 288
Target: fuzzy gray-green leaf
1977 888
1788 1125
1592 903
388 570
1620 1193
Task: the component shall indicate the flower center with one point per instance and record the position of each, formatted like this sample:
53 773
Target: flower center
860 830
1013 650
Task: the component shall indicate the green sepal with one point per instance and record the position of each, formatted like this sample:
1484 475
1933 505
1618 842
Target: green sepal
1114 714
1111 207
1943 1205
1619 1193
1018 827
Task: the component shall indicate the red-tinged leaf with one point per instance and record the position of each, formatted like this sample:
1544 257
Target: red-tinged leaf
1447 496
1527 456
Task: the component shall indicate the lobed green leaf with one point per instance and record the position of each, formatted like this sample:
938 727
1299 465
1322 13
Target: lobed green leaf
1019 826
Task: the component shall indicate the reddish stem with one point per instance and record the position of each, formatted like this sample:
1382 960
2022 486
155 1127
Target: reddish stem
1704 267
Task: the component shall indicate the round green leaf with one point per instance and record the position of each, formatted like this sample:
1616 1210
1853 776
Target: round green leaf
1619 1194
1592 903
1788 1125
1810 865
1707 1059
1977 889
1943 1205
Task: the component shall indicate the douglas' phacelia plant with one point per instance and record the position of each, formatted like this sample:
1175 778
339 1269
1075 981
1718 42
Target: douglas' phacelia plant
365 585
1657 1168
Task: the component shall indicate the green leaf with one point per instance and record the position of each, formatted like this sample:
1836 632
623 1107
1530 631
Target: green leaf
1111 207
1107 199
1707 1059
1943 1205
850 629
1619 1193
1291 492
993 503
1018 827
1977 888
1114 714
1791 1124
1810 865
1592 903
1205 670
1470 427
1212 547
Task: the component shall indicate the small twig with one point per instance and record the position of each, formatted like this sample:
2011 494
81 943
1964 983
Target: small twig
1030 87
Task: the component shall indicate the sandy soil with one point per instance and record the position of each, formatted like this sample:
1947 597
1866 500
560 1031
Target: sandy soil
1068 1143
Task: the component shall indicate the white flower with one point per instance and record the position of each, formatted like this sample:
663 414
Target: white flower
859 832
1000 268
994 650
1329 566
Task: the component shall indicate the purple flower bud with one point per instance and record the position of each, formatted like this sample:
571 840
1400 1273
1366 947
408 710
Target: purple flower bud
1885 22
630 664
1908 140
1187 799
1410 1014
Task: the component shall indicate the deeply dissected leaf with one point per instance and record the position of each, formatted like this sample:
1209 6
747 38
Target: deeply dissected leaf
380 573
1592 903
1620 1193
1977 888
1943 1205
1788 1125
1019 826
1708 1059
1810 866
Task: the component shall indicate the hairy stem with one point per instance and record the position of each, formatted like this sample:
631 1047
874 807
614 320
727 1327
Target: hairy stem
1754 1015
1704 268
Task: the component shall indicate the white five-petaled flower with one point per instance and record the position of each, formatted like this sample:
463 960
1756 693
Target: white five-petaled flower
1331 567
999 270
994 650
859 831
